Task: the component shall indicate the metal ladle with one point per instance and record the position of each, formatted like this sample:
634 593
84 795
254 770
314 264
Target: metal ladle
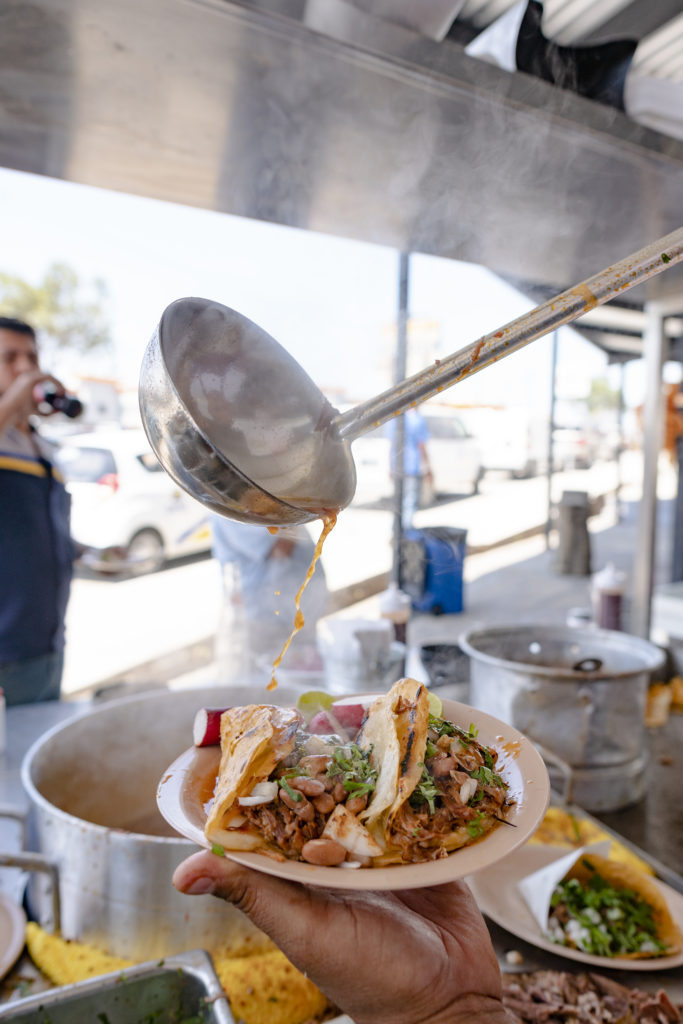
237 422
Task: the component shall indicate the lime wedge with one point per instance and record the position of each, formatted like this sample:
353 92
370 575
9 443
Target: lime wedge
312 701
435 705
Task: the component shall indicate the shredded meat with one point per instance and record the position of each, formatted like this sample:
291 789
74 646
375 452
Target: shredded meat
558 997
421 833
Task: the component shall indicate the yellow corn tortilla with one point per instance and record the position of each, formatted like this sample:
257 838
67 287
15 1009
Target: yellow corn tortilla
561 828
623 876
264 988
64 961
395 730
254 738
268 989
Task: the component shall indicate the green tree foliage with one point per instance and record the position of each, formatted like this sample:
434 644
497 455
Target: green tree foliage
601 396
67 313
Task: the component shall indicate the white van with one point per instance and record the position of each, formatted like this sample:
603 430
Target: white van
454 456
122 498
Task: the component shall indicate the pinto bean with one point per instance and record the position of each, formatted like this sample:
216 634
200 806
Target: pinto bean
305 811
290 802
357 803
324 803
323 851
339 793
310 787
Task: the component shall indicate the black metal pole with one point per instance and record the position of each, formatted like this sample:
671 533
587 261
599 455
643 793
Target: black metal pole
400 365
551 442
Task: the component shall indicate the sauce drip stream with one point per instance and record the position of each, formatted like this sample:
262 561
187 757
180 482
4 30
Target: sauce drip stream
329 520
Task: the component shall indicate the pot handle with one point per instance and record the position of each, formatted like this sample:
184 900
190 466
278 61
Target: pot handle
564 769
36 862
18 814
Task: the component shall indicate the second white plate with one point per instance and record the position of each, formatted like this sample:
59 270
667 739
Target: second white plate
499 898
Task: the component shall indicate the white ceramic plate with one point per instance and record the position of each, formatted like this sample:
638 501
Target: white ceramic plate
188 785
499 898
12 933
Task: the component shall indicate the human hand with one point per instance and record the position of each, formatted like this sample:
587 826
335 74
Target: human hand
418 956
24 393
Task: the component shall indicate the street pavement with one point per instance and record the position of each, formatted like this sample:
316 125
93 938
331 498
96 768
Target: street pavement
115 627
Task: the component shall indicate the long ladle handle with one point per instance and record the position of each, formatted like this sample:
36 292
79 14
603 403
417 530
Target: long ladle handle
562 309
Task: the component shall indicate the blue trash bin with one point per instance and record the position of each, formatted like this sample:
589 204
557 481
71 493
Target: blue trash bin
431 568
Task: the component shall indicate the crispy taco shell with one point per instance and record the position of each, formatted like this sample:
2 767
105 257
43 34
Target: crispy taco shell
254 739
625 876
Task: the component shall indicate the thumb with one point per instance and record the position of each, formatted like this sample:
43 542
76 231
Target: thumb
282 909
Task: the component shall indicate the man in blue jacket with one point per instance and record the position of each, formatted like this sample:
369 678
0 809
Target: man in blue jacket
36 551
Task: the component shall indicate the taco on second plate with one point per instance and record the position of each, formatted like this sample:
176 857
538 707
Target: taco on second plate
409 787
611 909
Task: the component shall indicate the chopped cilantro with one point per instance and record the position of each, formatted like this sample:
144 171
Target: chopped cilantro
665 258
425 791
487 777
218 850
444 728
293 793
608 921
353 766
475 829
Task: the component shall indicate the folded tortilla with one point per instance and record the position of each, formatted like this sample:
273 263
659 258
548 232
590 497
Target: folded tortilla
254 739
395 731
625 876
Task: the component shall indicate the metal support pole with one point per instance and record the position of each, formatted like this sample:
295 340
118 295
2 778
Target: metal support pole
551 440
400 370
655 346
619 510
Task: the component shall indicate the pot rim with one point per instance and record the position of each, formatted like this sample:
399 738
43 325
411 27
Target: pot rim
624 642
38 800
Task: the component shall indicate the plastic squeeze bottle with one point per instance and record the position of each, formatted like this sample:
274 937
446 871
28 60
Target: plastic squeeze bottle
608 588
395 605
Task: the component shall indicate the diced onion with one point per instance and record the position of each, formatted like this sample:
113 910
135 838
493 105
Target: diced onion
350 864
468 789
235 821
262 793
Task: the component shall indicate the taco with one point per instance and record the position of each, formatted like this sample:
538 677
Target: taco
408 787
447 790
612 909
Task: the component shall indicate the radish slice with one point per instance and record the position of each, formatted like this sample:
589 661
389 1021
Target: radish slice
206 728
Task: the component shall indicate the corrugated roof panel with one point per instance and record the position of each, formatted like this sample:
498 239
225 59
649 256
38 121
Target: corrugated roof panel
660 54
568 21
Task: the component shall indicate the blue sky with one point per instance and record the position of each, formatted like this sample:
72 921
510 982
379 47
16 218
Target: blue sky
330 301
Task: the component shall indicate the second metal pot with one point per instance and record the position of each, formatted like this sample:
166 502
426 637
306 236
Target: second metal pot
580 693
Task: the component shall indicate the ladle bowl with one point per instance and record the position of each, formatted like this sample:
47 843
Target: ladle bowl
238 423
217 395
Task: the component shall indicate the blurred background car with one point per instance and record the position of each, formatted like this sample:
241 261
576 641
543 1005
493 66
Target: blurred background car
125 507
454 457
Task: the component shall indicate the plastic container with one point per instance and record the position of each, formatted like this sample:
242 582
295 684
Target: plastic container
395 605
607 595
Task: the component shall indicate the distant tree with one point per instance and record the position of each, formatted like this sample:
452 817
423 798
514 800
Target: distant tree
601 396
67 313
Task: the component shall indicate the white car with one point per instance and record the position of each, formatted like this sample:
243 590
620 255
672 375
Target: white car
125 507
454 456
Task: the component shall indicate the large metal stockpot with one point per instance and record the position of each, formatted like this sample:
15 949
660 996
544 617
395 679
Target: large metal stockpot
578 693
92 787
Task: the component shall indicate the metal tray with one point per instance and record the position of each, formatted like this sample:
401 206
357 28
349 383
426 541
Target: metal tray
170 991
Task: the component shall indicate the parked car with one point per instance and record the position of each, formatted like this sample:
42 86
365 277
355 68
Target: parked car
454 456
125 507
